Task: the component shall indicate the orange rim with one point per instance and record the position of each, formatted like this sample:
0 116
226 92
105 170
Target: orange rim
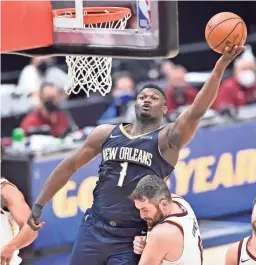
95 15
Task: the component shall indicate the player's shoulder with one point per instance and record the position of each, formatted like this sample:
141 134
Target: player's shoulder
167 232
232 253
8 188
176 198
235 246
100 133
6 183
104 129
164 133
167 128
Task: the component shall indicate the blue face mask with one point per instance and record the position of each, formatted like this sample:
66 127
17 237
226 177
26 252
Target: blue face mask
124 98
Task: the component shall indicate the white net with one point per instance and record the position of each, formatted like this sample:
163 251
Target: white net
92 73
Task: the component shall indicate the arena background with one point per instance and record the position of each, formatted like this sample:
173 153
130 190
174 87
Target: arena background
216 172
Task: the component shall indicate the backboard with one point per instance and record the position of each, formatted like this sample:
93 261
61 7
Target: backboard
151 31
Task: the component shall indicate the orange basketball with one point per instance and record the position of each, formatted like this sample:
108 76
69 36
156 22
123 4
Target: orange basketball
225 29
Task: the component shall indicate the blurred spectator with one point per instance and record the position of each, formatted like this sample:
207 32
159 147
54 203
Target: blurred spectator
48 114
41 69
240 89
123 92
167 67
141 70
179 92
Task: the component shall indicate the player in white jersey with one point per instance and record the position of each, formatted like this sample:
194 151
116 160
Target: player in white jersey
173 236
244 251
14 212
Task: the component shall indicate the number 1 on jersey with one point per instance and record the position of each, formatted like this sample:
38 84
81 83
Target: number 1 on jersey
122 175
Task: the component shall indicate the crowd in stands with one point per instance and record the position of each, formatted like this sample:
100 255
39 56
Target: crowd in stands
47 116
44 82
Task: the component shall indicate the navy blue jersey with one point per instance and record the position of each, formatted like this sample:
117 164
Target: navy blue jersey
125 160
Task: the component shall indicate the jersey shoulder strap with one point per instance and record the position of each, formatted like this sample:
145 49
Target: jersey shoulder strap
116 128
2 181
239 251
5 181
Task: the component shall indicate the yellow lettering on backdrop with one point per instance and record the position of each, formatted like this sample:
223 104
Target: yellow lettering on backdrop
251 174
64 206
224 174
85 196
183 175
230 171
202 173
245 167
183 172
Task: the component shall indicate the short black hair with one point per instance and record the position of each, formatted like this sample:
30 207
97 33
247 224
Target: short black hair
153 86
254 202
153 188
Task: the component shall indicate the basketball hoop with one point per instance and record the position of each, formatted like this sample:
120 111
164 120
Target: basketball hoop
93 73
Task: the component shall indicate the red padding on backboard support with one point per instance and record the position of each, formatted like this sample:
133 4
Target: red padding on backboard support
26 25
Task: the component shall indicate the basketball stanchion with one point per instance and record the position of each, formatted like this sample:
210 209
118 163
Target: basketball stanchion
89 37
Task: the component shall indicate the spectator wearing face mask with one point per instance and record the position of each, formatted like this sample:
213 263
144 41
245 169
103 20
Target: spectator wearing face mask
240 89
179 92
40 70
47 115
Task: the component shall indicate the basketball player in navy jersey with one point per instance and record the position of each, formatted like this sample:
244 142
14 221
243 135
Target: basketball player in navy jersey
129 152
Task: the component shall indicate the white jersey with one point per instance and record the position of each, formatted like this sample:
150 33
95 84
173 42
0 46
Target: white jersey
193 251
8 228
244 255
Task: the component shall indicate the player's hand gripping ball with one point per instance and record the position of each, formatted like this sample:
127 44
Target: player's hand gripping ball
225 30
229 55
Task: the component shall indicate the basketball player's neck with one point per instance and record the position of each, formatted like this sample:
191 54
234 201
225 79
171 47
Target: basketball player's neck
142 127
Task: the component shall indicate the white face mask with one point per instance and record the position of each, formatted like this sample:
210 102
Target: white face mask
246 78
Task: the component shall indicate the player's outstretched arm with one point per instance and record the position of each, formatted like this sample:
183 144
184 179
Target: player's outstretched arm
186 124
16 204
232 255
60 176
164 238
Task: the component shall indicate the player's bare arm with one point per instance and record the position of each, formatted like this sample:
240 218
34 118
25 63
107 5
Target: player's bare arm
165 242
180 133
232 255
14 200
60 176
25 237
